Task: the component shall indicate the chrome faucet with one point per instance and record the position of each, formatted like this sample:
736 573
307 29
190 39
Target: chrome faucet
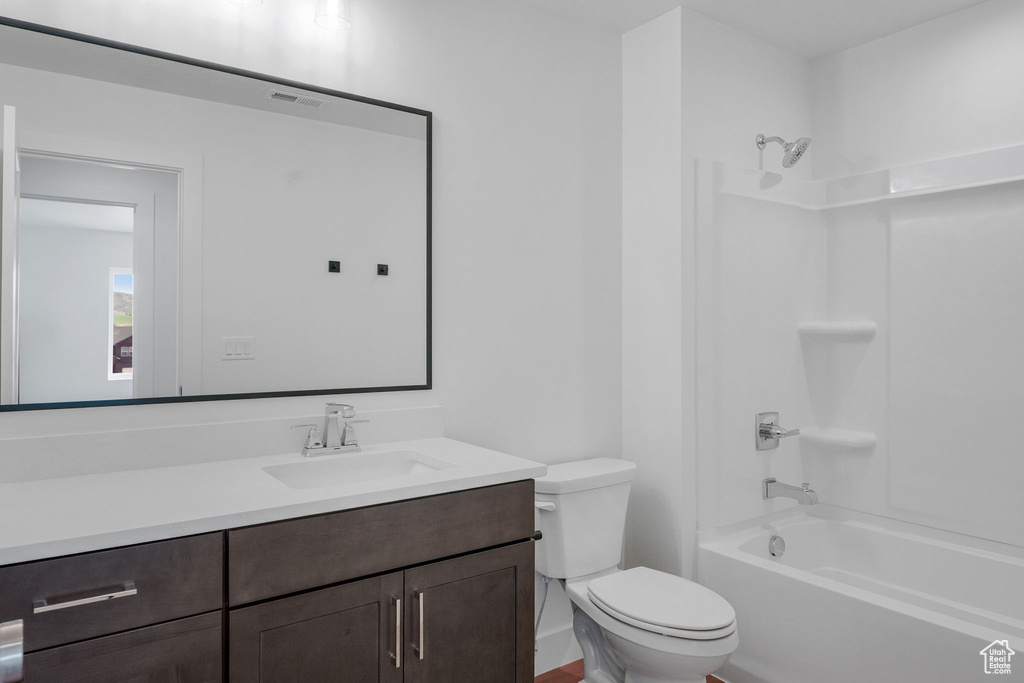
803 494
334 438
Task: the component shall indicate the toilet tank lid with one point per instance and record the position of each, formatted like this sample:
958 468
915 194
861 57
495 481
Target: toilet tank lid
581 475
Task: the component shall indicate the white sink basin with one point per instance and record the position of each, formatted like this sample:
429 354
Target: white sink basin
359 467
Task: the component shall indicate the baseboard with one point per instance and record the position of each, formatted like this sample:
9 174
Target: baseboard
555 649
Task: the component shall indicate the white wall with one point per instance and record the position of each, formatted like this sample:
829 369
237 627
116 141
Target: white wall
526 177
736 86
944 88
64 295
696 89
652 319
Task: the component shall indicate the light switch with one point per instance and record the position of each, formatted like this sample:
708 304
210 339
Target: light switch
239 348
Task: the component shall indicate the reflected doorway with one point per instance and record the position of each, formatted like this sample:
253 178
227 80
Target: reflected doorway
94 318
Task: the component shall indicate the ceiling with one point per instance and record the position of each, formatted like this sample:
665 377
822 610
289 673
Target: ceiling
809 28
48 213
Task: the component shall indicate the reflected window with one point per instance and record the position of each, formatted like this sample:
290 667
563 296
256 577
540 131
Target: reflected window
122 310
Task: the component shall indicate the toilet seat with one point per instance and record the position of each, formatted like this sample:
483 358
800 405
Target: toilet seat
662 603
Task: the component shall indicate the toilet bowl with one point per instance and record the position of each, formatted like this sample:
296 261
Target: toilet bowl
637 625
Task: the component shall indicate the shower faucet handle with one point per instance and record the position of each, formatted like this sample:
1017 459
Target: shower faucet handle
767 431
770 431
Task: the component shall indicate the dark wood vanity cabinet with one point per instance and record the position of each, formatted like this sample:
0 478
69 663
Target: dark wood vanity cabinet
466 619
471 618
419 618
427 590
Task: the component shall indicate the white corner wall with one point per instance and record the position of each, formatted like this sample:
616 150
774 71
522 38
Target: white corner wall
693 89
736 86
945 88
653 324
935 272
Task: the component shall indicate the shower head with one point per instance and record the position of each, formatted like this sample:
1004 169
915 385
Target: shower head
792 151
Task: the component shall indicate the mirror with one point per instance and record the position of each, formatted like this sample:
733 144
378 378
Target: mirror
174 230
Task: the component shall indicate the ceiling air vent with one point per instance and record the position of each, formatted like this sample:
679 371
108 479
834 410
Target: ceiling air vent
292 98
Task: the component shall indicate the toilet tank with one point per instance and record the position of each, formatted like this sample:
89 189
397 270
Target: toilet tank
583 533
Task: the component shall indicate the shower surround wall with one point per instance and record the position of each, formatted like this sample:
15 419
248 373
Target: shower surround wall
945 88
940 383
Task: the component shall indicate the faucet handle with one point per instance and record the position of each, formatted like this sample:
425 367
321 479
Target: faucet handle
806 486
348 433
767 431
313 437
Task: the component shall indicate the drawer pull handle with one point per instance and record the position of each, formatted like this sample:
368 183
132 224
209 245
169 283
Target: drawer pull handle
127 590
12 656
421 599
398 632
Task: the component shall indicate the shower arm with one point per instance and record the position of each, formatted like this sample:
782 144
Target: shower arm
762 141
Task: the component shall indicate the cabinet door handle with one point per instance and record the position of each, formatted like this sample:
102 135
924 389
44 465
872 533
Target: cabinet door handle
421 599
127 589
12 658
397 602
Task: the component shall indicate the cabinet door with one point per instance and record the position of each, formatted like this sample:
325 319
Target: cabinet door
185 650
469 619
345 634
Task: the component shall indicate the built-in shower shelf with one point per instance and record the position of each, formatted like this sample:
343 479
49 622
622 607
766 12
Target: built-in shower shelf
838 438
844 330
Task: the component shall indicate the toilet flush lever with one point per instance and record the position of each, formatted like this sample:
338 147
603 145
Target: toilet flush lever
767 431
544 505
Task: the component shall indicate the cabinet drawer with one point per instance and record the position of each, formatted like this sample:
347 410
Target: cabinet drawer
83 596
188 650
287 557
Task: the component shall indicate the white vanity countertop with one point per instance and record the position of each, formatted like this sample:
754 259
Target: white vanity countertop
54 517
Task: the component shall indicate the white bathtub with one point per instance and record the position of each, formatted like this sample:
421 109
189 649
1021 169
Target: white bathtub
860 598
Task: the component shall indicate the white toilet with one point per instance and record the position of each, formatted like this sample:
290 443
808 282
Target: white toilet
637 625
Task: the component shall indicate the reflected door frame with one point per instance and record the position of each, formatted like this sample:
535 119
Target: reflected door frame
189 168
9 193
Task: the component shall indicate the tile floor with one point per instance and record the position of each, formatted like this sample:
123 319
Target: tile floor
573 673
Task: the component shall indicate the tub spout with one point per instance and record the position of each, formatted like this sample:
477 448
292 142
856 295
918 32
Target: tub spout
803 494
